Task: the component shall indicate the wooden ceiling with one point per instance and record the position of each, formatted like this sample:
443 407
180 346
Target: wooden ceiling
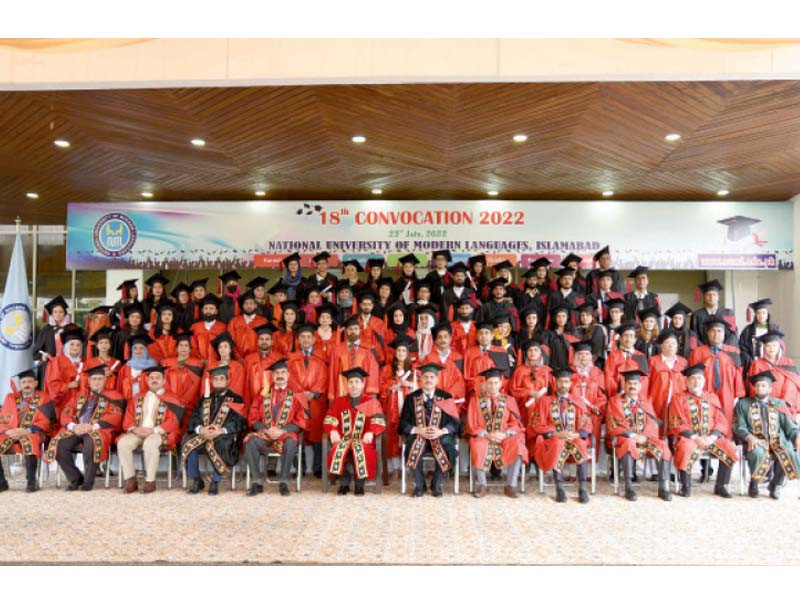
433 141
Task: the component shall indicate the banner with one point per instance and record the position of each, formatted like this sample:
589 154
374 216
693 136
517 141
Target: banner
661 235
16 331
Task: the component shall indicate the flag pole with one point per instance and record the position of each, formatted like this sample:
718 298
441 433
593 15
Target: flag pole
18 221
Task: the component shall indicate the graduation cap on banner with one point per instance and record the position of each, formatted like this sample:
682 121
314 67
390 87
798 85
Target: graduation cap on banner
738 227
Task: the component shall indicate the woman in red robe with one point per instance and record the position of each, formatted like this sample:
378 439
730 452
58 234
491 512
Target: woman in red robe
63 377
666 374
224 355
284 340
101 350
398 379
787 379
132 377
163 345
326 335
531 380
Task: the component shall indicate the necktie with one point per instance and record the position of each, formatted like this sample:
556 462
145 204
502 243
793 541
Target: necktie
307 356
352 349
277 400
88 408
562 412
717 372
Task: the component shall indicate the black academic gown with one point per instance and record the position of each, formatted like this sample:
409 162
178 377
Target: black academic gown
408 422
633 305
749 346
698 321
226 445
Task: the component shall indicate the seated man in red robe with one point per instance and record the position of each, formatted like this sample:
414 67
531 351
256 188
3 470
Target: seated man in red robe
26 418
696 420
496 434
152 422
631 420
353 423
91 420
276 420
562 428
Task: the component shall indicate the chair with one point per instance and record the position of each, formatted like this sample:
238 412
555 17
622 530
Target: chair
707 455
429 458
277 456
171 455
488 483
615 484
204 457
41 468
377 483
105 466
592 471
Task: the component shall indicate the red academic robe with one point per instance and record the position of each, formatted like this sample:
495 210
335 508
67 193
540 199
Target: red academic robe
108 414
352 422
257 375
284 342
462 340
495 414
665 383
61 372
476 362
183 380
243 333
163 346
787 380
546 419
392 403
621 418
591 389
524 381
169 415
113 367
451 378
325 346
39 416
731 374
342 360
287 407
374 334
312 378
617 362
698 415
237 377
126 379
201 339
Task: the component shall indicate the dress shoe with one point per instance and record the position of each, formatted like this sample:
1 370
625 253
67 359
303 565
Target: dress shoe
721 491
343 490
436 492
284 489
583 497
665 494
480 491
74 485
561 495
255 489
87 487
213 488
418 492
775 493
653 477
196 486
359 488
149 487
630 494
31 487
131 485
752 489
3 485
510 491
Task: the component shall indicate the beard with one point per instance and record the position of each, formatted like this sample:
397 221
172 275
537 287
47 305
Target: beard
464 318
209 318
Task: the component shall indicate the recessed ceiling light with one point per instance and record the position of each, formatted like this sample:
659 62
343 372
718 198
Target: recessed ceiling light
722 192
493 192
261 193
62 143
520 137
672 137
358 139
147 194
199 142
32 195
607 193
377 191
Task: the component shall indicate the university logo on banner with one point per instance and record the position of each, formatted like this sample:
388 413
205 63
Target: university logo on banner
114 234
15 327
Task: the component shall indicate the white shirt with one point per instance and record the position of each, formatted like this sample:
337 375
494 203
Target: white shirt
209 324
150 410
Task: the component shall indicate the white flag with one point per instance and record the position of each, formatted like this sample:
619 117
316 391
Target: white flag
16 326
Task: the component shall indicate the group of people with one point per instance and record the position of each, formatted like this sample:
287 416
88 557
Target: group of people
546 371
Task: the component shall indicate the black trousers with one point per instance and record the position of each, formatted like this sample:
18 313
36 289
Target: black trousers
66 460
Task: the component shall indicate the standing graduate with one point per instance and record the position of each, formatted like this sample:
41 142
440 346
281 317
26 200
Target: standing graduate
602 259
712 310
48 339
640 298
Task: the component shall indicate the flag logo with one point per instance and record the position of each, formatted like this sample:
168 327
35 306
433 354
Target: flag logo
114 234
15 327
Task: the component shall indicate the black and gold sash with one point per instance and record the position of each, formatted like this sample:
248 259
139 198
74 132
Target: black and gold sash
570 448
24 423
97 440
636 421
772 444
283 416
196 441
701 425
494 422
351 437
418 447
